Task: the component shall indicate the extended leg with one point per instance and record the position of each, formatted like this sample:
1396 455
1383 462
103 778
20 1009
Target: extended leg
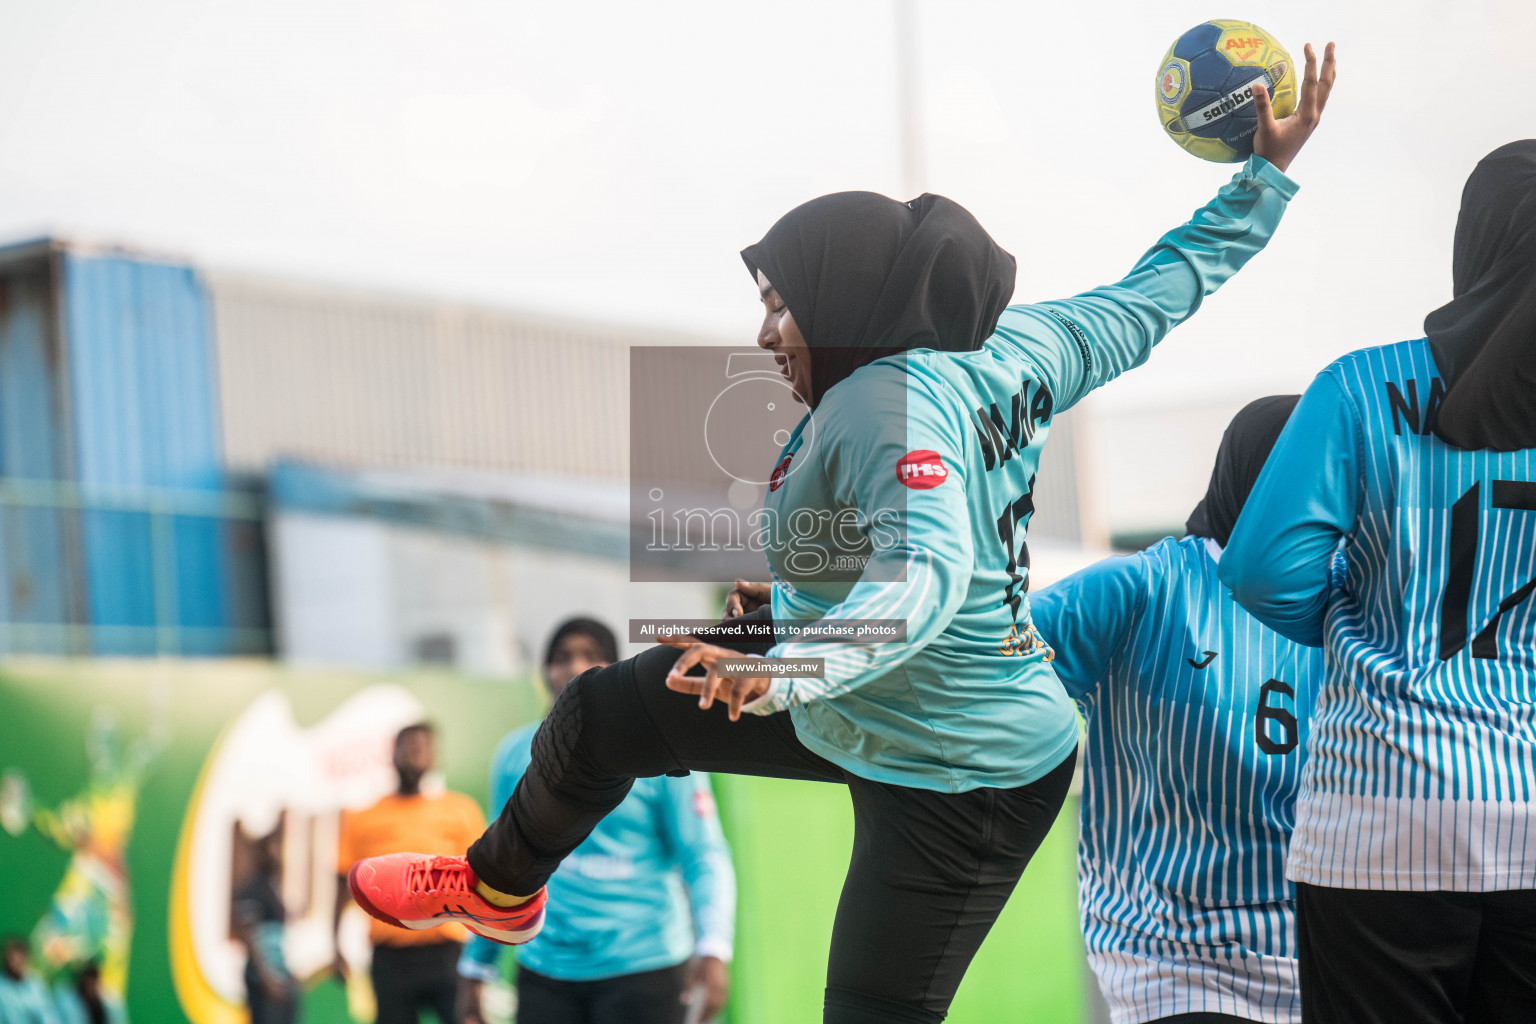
611 726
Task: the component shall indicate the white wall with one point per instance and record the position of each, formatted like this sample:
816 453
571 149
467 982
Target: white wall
361 593
1152 464
330 587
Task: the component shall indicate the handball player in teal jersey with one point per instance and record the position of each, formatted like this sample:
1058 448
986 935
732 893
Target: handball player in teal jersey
929 400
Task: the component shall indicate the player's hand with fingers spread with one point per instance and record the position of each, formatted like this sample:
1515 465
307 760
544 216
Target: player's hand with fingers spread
710 687
746 597
1280 141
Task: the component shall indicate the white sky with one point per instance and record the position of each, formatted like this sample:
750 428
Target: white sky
609 159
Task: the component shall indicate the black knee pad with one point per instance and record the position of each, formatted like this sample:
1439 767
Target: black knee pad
555 743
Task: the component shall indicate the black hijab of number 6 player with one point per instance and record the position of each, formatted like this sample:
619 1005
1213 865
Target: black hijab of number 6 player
1484 339
1245 445
866 276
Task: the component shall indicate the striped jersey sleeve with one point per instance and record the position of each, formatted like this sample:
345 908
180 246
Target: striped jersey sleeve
1422 760
1196 715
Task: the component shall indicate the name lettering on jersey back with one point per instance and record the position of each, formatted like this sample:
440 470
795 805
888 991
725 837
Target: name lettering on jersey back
1002 438
1406 409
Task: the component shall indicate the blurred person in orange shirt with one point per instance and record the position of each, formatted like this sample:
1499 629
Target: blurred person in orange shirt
410 969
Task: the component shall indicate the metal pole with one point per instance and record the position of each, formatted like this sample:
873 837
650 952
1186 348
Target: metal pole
914 172
162 552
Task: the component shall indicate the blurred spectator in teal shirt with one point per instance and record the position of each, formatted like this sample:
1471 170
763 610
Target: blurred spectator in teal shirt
24 999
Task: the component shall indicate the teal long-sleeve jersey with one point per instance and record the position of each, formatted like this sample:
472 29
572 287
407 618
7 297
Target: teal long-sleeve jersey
919 470
651 886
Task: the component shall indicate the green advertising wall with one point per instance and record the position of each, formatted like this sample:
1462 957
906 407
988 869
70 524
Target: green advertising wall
104 762
791 842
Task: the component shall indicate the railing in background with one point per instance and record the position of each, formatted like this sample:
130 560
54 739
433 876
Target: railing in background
99 570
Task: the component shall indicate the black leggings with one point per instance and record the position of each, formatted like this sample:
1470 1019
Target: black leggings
409 979
1384 957
930 871
650 997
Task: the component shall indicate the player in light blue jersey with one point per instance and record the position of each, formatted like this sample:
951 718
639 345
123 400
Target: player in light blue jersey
1196 716
906 491
1415 841
642 914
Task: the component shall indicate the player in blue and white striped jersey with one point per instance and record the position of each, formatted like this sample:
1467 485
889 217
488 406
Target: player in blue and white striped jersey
1415 842
1196 716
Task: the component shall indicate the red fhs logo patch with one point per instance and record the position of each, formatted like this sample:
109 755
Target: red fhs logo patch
780 472
921 470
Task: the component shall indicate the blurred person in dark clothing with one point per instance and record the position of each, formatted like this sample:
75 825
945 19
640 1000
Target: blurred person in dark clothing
82 1002
261 919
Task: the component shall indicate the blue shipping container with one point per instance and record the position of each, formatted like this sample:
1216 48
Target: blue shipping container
141 381
35 542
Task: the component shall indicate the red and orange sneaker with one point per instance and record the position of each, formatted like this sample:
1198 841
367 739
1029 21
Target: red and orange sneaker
418 891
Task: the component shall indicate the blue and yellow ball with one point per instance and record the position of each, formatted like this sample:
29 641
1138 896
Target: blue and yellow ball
1205 87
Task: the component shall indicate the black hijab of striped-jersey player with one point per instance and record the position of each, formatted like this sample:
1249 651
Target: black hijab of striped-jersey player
1249 439
1484 339
866 276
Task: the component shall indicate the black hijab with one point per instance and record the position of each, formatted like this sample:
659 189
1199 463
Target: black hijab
590 628
1244 447
1484 339
866 276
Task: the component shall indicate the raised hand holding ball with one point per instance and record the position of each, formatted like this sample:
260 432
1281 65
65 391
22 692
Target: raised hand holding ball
1206 83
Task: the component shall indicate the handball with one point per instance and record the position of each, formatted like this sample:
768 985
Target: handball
1205 87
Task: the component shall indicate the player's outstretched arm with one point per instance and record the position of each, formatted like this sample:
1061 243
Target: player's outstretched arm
1087 618
1080 343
